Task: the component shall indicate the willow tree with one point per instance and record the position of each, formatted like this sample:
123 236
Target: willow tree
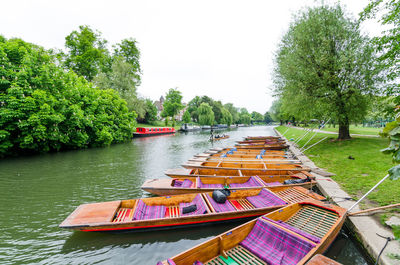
325 68
206 114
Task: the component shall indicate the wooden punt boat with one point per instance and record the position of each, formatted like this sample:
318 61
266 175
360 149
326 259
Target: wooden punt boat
219 138
158 213
234 150
257 165
282 160
212 172
168 186
322 260
290 235
261 146
261 137
267 141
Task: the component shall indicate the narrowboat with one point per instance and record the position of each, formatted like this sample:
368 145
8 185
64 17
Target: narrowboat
291 235
152 131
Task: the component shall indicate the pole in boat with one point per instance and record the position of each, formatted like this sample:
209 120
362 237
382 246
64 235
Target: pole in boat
322 126
314 144
366 194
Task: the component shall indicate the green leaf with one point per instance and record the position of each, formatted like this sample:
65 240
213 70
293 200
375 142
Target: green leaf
389 127
396 232
394 172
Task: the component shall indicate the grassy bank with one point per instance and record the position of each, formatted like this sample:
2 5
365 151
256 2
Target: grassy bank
354 129
357 175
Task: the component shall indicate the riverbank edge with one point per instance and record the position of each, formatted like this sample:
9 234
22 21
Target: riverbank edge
364 227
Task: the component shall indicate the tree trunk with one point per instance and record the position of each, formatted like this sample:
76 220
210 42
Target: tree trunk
344 132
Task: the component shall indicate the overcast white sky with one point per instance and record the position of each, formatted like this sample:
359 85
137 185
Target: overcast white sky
222 49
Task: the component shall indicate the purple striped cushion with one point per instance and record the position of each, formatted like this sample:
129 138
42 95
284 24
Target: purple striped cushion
294 229
200 204
265 199
178 183
275 246
208 186
221 207
171 262
252 182
197 263
144 212
275 183
187 183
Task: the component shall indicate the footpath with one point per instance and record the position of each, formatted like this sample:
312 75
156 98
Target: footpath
365 227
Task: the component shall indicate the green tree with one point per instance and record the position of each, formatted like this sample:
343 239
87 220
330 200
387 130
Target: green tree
387 44
186 117
128 50
151 112
226 117
267 117
45 108
193 105
326 68
233 111
87 53
172 104
206 114
256 116
217 109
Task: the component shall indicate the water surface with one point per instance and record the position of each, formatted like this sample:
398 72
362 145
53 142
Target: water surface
39 192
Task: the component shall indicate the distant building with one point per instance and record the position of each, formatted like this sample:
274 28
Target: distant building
159 105
179 116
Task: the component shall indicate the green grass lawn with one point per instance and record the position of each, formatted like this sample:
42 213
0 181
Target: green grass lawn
355 176
356 130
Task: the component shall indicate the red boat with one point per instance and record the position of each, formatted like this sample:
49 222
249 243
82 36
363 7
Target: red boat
152 131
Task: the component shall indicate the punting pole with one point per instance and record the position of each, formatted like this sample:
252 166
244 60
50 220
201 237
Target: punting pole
314 144
375 209
323 125
366 194
300 138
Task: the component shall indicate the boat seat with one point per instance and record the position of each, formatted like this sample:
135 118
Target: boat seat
221 207
122 215
186 183
265 199
145 212
201 207
242 204
252 182
276 246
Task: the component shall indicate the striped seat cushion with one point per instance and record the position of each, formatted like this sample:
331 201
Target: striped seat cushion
275 183
275 246
145 212
221 207
252 182
200 204
265 199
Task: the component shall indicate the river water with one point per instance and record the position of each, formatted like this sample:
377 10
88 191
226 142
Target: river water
38 192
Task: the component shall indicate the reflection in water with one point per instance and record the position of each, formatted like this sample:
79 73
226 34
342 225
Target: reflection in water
39 192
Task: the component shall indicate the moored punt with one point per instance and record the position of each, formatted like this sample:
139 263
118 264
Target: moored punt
282 160
212 172
261 137
261 146
290 235
234 150
168 186
262 142
322 260
158 213
255 165
219 138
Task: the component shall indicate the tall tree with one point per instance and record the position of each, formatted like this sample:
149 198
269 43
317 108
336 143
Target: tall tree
233 111
172 104
256 116
193 105
226 117
267 117
186 117
326 68
87 53
206 114
130 53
